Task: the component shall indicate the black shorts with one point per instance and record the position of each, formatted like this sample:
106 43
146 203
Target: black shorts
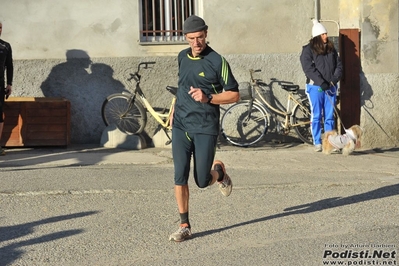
202 147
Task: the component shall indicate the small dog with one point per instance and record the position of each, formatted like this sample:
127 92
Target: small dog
346 143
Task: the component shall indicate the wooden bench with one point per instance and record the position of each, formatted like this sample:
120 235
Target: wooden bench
36 121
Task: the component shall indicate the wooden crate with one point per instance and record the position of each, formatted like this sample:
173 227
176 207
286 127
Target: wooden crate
36 121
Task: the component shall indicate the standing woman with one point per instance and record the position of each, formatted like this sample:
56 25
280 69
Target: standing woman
323 70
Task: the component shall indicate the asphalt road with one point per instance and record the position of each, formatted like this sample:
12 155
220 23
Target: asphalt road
289 206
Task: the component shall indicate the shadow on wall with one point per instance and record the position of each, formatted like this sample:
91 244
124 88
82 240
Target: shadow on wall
366 93
85 85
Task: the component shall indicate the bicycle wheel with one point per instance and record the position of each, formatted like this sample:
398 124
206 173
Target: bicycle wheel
129 117
301 117
242 126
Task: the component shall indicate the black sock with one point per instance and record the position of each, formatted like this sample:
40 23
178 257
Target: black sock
184 219
218 168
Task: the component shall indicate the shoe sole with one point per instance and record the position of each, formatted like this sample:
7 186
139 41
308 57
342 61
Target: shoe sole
231 187
178 241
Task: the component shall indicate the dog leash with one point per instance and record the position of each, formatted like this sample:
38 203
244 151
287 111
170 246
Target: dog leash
348 132
333 105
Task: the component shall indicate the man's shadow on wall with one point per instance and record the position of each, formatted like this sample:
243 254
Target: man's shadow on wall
86 92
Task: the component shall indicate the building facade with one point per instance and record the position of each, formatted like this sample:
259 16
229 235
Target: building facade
83 51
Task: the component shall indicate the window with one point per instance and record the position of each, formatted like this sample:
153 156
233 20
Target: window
162 20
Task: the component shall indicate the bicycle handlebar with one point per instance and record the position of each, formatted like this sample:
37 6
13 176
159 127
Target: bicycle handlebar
146 65
136 76
286 85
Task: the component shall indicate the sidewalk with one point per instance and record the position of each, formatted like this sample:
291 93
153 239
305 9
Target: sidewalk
82 155
92 154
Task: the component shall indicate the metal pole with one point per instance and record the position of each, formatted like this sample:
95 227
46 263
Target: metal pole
316 9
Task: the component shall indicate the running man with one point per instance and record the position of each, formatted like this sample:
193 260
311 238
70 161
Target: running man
205 82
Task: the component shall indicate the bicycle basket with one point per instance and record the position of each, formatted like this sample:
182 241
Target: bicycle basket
246 90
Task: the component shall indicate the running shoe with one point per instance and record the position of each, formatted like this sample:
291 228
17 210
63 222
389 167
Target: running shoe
226 185
181 234
2 151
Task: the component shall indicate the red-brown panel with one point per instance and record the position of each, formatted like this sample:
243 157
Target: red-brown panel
350 82
33 121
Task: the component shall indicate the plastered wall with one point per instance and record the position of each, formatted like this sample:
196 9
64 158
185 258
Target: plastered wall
82 50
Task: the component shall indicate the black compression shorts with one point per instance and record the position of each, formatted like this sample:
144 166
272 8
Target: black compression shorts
202 147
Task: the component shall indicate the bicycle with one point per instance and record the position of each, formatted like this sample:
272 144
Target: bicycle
129 114
246 122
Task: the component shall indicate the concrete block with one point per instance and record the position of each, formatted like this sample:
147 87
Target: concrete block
159 139
112 137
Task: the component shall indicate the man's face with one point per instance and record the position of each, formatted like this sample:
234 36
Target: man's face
197 41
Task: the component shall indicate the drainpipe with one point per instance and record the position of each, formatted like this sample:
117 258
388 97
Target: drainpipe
316 9
316 14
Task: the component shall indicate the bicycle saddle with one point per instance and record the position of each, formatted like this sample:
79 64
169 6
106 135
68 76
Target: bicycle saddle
172 90
292 88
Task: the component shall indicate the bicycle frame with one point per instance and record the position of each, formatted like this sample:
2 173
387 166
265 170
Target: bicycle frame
246 122
162 118
128 110
292 103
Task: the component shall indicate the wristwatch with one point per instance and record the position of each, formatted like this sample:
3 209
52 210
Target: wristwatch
210 97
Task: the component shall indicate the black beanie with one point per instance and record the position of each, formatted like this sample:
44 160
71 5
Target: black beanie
193 24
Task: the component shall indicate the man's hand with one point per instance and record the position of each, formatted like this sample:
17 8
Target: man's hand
8 91
198 95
